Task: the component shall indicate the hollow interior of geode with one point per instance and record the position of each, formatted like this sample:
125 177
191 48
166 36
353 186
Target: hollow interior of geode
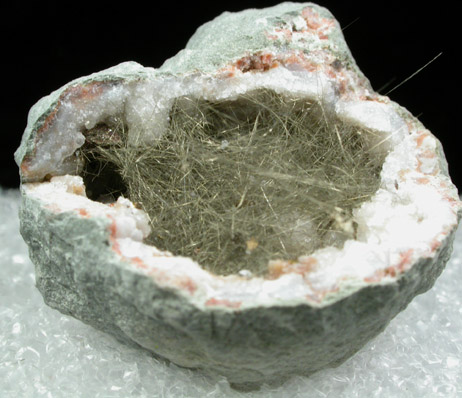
236 183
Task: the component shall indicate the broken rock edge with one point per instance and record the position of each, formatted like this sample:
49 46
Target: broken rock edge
102 291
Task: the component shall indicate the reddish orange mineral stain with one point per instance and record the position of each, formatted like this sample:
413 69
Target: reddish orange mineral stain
286 32
83 213
302 267
256 62
186 283
317 24
183 282
423 180
420 138
375 277
223 302
138 262
82 94
25 166
311 18
435 244
78 95
390 271
298 58
113 234
406 258
394 270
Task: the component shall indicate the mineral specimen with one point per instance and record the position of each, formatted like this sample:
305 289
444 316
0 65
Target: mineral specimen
252 208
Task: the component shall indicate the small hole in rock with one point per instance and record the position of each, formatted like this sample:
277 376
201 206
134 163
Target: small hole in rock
103 182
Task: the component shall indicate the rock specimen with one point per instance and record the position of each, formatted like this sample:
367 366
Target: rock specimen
252 208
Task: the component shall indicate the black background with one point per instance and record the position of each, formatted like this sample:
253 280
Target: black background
46 45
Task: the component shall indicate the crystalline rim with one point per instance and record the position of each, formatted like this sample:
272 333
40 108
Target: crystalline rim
414 185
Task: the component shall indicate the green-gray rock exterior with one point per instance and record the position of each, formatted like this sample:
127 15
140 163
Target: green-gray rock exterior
232 35
80 273
79 276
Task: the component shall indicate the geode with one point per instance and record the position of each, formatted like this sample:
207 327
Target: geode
305 313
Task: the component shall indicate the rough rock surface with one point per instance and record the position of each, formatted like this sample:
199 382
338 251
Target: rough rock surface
255 345
79 272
